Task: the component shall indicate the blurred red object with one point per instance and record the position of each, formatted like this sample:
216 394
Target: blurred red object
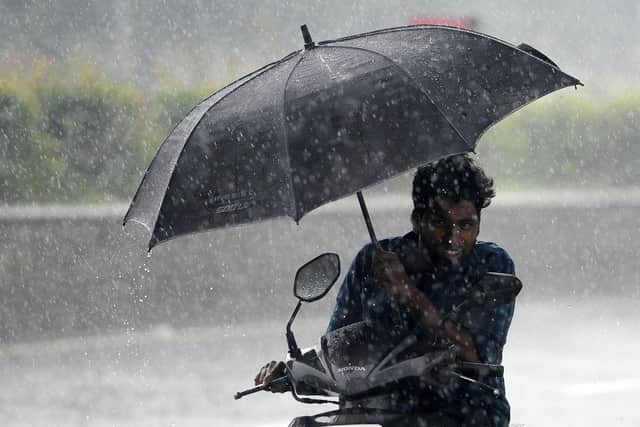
459 22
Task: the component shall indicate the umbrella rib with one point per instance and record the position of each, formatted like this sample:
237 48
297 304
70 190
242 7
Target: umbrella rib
293 205
400 29
542 95
249 77
230 89
418 85
423 27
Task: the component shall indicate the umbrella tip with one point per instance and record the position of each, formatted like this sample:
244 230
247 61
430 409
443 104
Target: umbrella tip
308 42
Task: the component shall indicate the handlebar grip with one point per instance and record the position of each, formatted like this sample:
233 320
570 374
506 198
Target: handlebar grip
261 387
480 369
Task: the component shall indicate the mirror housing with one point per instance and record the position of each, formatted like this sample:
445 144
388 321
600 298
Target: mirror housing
495 289
315 278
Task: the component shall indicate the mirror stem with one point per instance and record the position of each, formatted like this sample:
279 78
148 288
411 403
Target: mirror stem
294 350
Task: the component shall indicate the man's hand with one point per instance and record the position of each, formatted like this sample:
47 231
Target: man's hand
390 274
270 372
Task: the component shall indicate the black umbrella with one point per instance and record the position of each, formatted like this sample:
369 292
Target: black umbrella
331 119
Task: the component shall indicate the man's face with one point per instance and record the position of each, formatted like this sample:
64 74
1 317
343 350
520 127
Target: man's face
448 230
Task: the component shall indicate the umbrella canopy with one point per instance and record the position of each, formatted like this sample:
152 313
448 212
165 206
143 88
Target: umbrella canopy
331 119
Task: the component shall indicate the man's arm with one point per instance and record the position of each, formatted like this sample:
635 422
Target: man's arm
490 327
391 275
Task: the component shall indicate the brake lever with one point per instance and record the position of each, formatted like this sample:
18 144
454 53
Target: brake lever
493 390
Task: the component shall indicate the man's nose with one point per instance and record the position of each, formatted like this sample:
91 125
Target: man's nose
454 235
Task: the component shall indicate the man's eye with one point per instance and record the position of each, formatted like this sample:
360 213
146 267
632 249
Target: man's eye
466 226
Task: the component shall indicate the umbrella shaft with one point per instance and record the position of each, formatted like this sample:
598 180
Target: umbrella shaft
367 220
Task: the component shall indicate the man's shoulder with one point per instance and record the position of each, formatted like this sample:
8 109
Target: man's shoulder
490 247
494 256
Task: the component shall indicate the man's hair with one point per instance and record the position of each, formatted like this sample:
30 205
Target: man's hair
453 178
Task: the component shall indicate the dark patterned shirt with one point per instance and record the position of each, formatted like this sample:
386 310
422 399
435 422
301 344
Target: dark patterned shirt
360 299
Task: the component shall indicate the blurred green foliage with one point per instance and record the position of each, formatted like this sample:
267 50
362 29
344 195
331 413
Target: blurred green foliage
87 140
98 134
571 140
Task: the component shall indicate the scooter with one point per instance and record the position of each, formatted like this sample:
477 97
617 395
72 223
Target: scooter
364 369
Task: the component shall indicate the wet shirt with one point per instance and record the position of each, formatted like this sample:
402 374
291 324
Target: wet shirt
360 299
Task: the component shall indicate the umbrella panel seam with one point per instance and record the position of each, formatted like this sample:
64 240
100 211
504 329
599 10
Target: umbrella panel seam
293 204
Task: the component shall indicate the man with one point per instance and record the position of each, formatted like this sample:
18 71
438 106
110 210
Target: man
414 282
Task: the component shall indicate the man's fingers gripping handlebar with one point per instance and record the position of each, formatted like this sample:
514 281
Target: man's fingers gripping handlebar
279 385
480 369
272 377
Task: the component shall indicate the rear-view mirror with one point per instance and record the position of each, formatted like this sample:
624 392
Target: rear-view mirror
315 278
496 289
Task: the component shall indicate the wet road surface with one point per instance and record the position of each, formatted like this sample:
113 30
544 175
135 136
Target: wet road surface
566 364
